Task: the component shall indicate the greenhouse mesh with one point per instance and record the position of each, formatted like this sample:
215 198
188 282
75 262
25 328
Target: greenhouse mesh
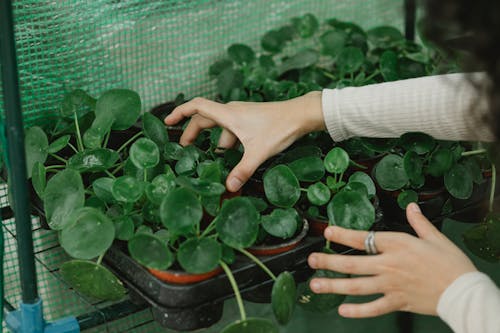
157 47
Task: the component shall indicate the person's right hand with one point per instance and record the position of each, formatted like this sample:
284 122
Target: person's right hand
264 129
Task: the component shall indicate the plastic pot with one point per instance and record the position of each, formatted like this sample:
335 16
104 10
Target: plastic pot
285 246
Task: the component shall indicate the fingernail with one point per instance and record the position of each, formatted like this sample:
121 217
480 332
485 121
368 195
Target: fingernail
234 184
312 261
328 232
415 208
315 285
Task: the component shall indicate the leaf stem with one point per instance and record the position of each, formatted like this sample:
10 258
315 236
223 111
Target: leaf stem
106 139
258 262
128 142
118 168
78 134
110 174
99 260
474 152
72 147
59 158
329 75
236 290
493 185
50 167
145 172
368 78
208 229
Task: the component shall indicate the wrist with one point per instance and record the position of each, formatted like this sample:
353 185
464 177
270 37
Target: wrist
311 113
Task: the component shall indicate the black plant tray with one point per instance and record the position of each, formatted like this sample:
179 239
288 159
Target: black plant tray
199 305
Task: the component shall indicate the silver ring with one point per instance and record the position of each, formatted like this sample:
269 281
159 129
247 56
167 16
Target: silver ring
370 247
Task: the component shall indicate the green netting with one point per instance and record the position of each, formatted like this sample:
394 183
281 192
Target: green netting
156 47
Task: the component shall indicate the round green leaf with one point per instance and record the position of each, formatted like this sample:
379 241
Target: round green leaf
124 227
389 66
186 166
144 153
160 187
352 210
172 151
217 67
150 251
406 197
241 54
36 145
273 41
283 297
229 79
318 194
308 169
333 42
154 129
385 37
305 25
93 160
237 223
420 143
73 102
470 163
39 178
413 165
458 181
102 189
180 211
197 256
210 171
321 303
408 68
251 325
211 204
390 173
440 162
260 204
58 144
281 223
63 195
301 59
350 59
281 186
363 178
200 186
92 280
127 189
89 234
336 161
357 187
123 105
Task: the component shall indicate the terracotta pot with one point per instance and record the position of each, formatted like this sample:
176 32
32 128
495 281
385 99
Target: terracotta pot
269 250
181 277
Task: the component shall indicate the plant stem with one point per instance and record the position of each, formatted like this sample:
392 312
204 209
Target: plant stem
73 147
106 139
493 185
118 168
79 141
50 167
236 290
372 76
128 142
59 158
145 175
329 75
109 174
99 260
474 152
208 229
357 165
258 262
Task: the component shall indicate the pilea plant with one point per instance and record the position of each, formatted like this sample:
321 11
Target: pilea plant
417 161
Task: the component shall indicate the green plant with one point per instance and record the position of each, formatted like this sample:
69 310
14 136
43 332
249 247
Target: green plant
417 161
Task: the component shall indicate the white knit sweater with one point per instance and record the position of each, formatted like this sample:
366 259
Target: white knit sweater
446 107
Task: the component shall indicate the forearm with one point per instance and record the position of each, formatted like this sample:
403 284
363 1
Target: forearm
447 107
471 304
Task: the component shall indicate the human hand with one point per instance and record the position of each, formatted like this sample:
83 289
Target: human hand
411 272
264 129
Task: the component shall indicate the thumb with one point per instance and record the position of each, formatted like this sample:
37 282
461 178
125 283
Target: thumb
422 226
243 171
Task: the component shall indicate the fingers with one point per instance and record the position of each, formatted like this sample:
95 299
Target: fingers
348 286
208 109
345 263
375 308
195 126
244 170
420 223
356 238
227 139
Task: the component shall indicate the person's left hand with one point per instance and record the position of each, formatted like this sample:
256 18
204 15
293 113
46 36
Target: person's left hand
411 272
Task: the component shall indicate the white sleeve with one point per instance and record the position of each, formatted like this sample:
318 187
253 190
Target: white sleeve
447 107
471 304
